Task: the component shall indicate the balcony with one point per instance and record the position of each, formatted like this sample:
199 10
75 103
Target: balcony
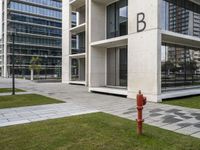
78 29
172 37
78 51
113 42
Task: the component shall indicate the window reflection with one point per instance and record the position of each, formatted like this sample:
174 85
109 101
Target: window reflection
181 16
117 66
35 20
78 43
78 69
117 19
180 67
35 10
52 3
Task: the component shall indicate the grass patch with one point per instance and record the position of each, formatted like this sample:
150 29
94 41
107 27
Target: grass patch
9 90
25 100
191 102
96 131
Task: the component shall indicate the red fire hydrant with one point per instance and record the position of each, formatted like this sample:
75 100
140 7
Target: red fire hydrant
141 101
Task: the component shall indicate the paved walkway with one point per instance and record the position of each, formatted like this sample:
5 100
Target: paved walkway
17 93
37 113
79 101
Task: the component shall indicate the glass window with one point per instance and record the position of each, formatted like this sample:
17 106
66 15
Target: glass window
78 43
36 10
111 21
181 16
78 69
180 67
123 17
117 67
117 19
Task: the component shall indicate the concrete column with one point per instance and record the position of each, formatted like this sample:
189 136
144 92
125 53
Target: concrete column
97 55
86 41
97 28
66 11
144 50
5 72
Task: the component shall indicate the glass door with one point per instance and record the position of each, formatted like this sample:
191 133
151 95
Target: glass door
117 66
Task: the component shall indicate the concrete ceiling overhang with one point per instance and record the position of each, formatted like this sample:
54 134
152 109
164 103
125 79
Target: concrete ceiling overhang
105 2
81 55
78 29
77 4
109 43
176 38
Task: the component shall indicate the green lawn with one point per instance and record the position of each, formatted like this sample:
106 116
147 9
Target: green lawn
96 131
25 100
9 90
191 102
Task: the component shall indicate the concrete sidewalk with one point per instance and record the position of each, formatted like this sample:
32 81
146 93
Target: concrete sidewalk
14 116
17 93
78 100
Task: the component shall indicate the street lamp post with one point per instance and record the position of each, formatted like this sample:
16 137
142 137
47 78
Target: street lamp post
13 63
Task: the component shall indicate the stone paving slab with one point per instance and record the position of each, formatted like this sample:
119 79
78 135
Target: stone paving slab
14 116
188 130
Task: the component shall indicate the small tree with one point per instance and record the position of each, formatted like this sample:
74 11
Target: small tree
35 65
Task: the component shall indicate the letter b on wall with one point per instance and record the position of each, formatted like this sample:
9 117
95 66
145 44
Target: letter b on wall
141 24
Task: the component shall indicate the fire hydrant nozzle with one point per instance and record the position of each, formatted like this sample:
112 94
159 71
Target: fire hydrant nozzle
141 101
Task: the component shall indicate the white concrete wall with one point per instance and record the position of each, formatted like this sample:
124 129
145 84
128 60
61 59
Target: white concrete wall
144 66
66 41
97 15
97 67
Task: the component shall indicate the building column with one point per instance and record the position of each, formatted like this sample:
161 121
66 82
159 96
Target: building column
66 11
144 49
5 67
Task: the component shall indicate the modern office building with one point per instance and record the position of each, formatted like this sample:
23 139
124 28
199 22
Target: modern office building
37 26
123 46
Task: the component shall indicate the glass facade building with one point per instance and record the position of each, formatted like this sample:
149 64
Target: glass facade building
38 30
